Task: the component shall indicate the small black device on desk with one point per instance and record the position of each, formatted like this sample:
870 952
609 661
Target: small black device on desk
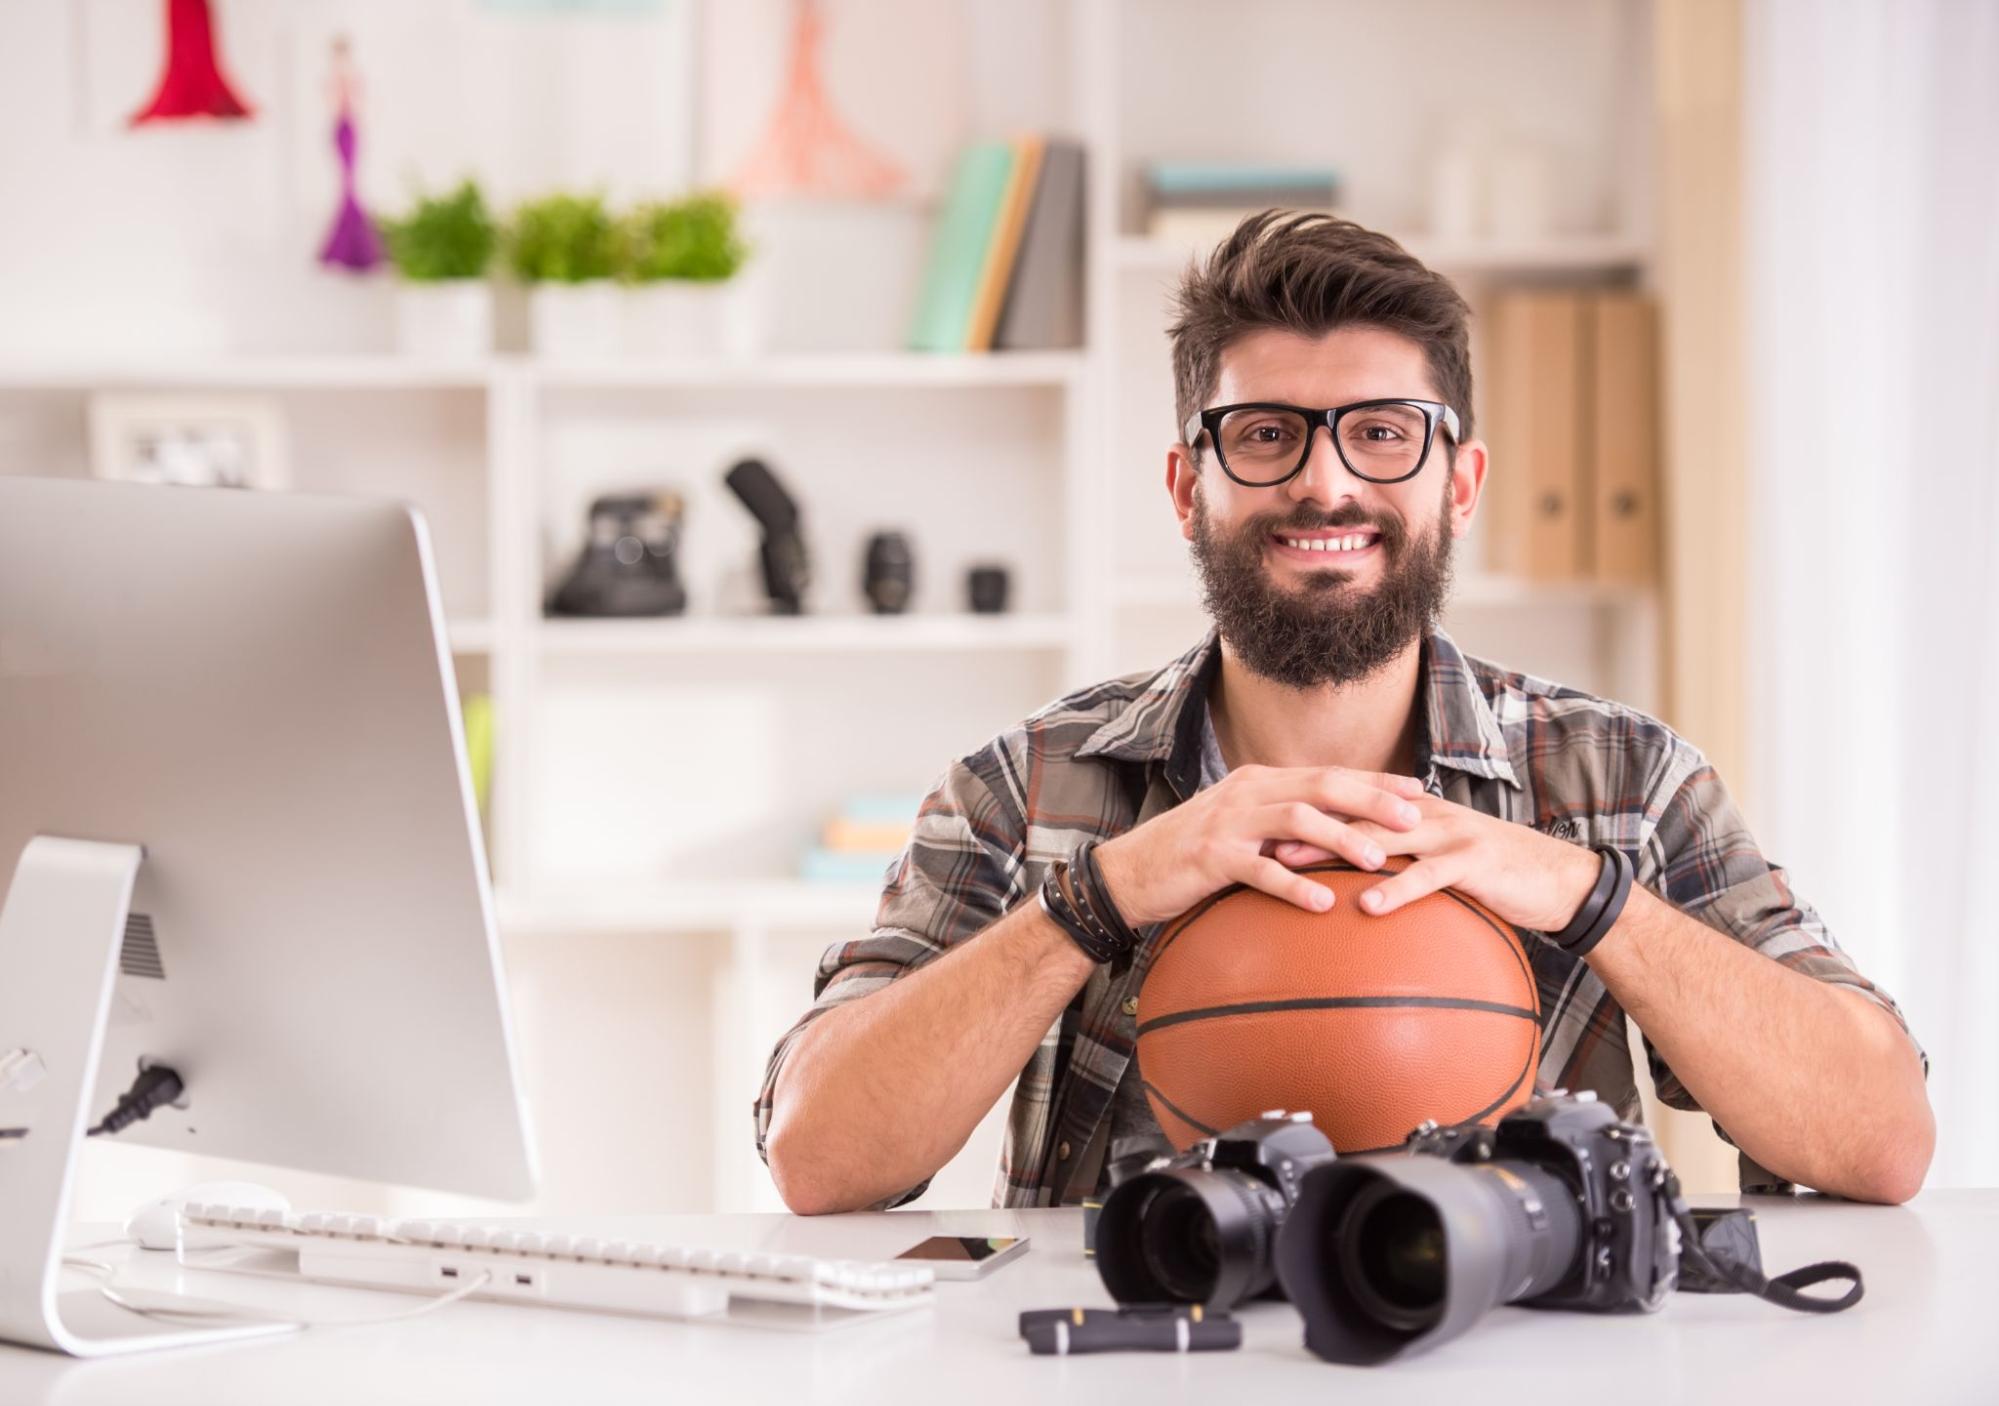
1172 1327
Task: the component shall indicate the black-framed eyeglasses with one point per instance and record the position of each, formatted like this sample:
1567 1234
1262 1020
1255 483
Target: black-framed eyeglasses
1262 443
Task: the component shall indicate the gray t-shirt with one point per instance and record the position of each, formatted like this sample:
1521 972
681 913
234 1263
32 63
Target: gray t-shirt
1133 1129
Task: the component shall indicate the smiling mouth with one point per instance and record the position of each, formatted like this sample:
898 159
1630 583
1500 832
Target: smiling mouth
1329 547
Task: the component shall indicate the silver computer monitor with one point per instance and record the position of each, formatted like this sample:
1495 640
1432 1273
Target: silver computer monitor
257 690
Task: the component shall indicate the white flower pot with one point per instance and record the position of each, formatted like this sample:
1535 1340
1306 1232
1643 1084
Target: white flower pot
574 321
676 317
449 320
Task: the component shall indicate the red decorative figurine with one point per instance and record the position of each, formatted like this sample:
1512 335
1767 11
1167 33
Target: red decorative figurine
193 84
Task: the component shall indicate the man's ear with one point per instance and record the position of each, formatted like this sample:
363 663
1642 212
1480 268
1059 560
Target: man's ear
1468 469
1181 476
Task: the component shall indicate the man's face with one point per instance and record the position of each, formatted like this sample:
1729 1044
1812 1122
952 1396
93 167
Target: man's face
1300 615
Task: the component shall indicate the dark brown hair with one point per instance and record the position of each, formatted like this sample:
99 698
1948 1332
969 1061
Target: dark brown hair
1310 273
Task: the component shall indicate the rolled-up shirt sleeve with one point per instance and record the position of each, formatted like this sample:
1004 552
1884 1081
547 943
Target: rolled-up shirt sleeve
959 873
1710 868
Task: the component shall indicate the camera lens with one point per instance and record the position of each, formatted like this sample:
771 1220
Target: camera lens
1189 1236
1177 1239
1387 1254
1391 1249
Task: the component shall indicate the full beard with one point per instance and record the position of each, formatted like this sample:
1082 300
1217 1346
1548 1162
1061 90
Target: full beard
1323 632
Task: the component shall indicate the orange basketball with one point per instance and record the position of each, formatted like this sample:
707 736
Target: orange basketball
1373 1024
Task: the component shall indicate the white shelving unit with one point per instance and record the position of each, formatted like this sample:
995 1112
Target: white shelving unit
661 777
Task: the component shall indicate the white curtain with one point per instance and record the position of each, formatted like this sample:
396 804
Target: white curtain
1872 278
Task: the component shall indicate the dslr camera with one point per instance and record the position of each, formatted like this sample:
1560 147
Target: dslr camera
1202 1228
1560 1206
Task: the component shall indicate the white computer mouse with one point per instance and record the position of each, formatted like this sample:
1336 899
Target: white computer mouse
156 1225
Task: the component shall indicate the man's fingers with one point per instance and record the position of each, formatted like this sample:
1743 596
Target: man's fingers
1298 854
1296 820
1366 795
1277 881
1376 795
1425 876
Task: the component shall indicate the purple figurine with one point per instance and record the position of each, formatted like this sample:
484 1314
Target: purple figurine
352 242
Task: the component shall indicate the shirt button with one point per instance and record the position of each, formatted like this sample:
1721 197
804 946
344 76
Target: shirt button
1131 1005
1062 1153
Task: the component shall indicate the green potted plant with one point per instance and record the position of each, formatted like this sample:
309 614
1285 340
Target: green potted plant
682 262
565 248
441 250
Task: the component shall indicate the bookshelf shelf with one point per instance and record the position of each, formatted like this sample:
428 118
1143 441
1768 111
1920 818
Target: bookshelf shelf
276 372
915 370
1573 254
825 634
886 369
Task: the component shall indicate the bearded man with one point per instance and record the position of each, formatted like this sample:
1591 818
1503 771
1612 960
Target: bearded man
1325 464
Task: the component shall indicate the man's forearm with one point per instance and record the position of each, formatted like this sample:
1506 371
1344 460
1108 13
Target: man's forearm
1818 1084
879 1093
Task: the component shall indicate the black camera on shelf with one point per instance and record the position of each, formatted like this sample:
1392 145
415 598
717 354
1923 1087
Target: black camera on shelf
1560 1206
1202 1228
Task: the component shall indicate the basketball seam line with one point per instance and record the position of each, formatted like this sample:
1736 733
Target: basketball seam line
1322 1003
1177 1111
1533 1056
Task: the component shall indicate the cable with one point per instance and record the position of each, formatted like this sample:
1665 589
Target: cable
168 1313
156 1086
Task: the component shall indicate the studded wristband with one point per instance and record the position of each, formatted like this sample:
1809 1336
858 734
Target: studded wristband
1072 895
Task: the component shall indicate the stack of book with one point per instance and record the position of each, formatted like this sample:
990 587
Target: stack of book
857 845
1006 259
1200 203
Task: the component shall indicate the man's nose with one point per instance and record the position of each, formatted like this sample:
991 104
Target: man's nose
1325 479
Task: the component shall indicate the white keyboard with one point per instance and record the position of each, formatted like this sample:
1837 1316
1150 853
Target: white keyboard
558 1271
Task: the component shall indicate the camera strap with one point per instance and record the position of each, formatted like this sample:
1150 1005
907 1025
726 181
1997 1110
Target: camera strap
1785 1289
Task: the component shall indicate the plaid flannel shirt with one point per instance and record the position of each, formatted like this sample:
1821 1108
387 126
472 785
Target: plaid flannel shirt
1106 758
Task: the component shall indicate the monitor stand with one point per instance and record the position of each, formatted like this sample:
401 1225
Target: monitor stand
60 935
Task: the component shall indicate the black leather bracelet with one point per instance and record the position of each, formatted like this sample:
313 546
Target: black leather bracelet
1600 911
1058 901
1074 898
1098 895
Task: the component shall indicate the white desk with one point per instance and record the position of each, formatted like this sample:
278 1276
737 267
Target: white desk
1926 1332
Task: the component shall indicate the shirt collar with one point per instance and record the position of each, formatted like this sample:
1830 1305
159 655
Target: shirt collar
1161 724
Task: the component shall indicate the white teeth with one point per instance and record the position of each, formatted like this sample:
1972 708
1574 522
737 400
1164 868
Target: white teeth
1351 543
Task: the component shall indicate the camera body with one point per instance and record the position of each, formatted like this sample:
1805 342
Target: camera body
1630 1252
1202 1227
